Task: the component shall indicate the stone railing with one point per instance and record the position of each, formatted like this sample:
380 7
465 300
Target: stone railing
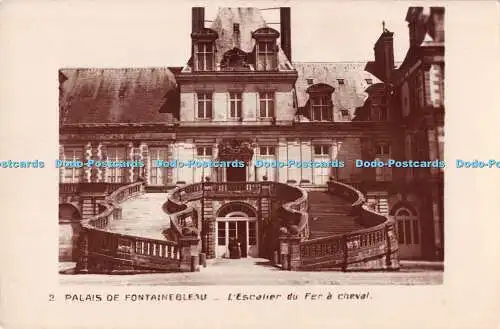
373 248
295 218
103 251
74 188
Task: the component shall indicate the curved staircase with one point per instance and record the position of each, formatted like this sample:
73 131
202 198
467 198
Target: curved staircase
332 230
329 215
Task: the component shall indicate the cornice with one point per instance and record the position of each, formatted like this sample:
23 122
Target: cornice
240 76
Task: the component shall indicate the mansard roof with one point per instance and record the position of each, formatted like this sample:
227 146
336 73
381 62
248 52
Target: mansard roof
121 95
347 96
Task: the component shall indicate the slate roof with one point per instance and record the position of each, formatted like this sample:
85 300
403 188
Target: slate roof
348 96
131 95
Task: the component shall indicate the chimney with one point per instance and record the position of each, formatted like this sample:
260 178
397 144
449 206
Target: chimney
198 19
286 39
437 23
384 55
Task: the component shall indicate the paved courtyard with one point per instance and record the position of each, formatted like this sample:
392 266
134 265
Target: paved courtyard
257 271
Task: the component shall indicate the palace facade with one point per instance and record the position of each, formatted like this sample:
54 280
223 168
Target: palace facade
241 96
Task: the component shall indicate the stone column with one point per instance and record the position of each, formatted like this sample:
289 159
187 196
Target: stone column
130 153
294 252
87 155
99 156
282 156
188 249
144 156
94 171
104 157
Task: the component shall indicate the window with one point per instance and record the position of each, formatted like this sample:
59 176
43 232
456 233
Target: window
320 108
235 105
382 153
204 56
345 114
369 81
310 81
204 105
158 173
252 233
116 174
407 228
266 104
267 150
72 175
266 55
321 174
221 233
340 81
266 153
382 150
232 230
322 150
204 151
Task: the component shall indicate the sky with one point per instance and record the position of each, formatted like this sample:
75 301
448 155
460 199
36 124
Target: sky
321 31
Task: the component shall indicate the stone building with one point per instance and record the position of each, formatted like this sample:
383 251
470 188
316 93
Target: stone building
241 96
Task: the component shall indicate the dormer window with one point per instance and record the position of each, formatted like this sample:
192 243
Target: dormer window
345 114
204 49
204 54
320 105
266 49
369 81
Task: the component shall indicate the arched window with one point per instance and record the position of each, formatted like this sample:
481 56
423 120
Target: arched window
266 49
320 102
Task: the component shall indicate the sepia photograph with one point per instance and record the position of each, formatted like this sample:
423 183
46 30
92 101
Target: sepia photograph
247 165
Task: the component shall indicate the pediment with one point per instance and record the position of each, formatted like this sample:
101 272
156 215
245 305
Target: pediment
265 32
235 59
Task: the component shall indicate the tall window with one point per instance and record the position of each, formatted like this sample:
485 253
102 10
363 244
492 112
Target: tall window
235 105
266 104
204 56
383 153
320 108
203 153
116 174
221 233
266 55
266 153
158 174
72 175
321 155
204 105
407 228
252 233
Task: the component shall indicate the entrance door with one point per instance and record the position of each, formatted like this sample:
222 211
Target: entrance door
409 239
242 237
242 229
236 174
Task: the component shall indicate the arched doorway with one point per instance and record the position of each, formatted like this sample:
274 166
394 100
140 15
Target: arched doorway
237 221
409 233
69 231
